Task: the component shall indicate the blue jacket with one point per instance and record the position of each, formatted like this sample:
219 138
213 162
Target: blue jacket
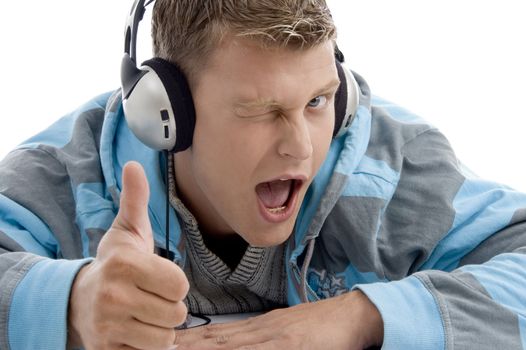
440 252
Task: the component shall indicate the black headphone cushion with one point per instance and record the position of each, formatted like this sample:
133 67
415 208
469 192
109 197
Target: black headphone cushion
340 100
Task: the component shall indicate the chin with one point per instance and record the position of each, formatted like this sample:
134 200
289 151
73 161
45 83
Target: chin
268 237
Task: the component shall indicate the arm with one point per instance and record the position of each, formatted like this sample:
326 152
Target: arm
479 304
466 288
28 255
439 221
128 297
345 322
103 305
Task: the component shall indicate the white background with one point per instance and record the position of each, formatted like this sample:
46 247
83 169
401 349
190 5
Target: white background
461 64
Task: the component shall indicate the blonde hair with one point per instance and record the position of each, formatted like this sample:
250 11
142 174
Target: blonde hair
186 32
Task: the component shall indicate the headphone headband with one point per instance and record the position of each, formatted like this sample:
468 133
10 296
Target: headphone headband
132 25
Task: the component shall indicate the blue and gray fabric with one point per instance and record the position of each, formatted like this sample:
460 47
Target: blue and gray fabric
392 212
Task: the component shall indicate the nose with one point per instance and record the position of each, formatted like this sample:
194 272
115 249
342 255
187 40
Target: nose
296 139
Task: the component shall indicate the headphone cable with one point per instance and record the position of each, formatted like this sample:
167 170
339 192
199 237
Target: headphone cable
167 229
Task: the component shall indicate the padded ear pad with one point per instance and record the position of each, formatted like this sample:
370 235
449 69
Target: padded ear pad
181 101
340 100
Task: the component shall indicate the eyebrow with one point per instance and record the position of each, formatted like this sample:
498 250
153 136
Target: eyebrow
268 103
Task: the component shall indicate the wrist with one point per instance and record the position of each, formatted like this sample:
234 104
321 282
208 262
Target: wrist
371 319
74 340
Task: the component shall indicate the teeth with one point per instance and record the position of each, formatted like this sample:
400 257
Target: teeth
276 210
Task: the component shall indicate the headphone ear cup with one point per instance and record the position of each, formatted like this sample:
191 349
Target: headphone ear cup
346 100
159 109
148 111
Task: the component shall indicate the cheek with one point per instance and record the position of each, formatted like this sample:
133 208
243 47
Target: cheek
321 138
224 159
231 144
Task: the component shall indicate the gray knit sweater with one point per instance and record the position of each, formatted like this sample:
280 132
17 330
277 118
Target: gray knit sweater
258 283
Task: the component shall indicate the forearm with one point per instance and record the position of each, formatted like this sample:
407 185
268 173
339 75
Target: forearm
371 320
35 293
476 306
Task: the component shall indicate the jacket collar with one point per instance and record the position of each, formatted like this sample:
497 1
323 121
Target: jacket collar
342 159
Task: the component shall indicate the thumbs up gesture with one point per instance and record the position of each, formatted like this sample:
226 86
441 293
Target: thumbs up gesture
128 297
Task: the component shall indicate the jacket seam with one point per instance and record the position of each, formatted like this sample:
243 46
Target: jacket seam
442 309
11 287
418 135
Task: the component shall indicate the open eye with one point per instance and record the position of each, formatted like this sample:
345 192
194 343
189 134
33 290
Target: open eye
317 102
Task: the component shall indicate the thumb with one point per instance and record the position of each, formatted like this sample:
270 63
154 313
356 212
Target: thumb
133 212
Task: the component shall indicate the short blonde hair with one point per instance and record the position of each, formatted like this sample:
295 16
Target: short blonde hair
185 32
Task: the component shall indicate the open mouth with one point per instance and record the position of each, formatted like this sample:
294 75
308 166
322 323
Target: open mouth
277 199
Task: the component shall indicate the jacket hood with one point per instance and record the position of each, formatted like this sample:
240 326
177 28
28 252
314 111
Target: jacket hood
343 157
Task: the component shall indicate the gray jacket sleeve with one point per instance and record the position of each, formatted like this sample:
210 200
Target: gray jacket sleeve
462 244
43 243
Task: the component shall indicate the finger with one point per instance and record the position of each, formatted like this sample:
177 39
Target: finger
192 338
219 337
139 335
158 311
161 277
255 321
243 325
268 345
148 272
224 341
192 335
133 211
264 321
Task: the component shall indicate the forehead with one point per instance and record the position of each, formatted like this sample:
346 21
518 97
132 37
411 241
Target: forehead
247 70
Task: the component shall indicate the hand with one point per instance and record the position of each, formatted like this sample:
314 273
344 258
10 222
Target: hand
128 297
346 322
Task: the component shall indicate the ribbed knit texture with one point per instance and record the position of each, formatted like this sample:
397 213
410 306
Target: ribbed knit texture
258 283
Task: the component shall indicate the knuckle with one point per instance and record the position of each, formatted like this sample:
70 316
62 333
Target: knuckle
173 276
183 288
178 292
180 283
119 265
222 339
166 339
106 295
185 285
110 301
210 331
179 337
180 313
159 339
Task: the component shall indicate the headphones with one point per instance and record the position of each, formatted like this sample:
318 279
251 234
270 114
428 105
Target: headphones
158 104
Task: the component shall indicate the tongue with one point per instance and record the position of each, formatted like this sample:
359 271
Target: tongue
274 194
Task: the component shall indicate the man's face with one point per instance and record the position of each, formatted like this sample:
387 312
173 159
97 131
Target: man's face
264 123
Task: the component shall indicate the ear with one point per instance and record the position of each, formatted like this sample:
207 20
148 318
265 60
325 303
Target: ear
346 100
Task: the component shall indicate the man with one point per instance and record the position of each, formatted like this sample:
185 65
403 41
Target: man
375 237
